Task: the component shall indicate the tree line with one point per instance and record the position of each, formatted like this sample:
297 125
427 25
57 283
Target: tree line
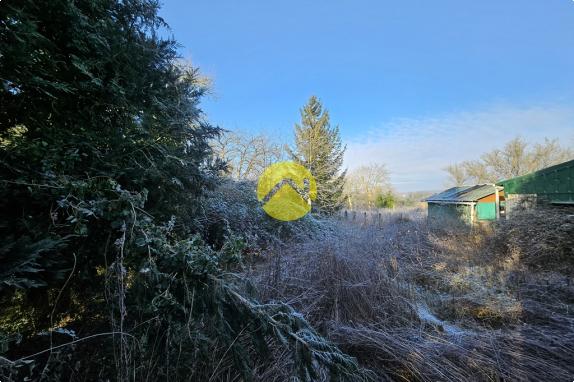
517 157
318 147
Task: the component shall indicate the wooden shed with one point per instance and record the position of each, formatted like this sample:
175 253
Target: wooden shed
467 204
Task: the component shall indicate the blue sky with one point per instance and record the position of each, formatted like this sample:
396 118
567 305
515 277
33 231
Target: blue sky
399 77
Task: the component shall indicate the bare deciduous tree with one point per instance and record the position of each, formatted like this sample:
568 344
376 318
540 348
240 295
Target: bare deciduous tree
457 174
365 183
516 158
247 156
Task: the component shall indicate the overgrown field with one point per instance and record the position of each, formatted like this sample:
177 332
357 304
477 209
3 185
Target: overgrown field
411 303
128 254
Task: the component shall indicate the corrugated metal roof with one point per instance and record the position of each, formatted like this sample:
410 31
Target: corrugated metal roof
463 193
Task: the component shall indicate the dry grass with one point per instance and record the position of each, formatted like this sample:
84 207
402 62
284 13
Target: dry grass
413 304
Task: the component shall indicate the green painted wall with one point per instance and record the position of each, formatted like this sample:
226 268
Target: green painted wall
553 184
486 211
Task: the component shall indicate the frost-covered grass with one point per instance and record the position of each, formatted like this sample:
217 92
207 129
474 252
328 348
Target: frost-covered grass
416 304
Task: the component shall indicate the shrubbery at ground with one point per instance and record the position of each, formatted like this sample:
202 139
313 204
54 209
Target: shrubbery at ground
414 304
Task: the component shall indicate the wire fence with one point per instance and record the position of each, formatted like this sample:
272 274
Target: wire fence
382 216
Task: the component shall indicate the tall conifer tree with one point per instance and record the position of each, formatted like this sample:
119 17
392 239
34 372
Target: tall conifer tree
318 147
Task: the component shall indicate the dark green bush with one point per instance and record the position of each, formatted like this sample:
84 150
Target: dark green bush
104 161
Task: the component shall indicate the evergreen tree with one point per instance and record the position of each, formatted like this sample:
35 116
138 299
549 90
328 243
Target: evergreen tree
318 147
385 201
104 157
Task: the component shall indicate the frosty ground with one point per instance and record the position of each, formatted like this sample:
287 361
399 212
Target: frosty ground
413 302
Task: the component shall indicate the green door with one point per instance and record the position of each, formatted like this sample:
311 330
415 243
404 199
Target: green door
486 211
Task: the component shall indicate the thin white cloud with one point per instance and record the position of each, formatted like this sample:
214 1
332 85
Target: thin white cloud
417 150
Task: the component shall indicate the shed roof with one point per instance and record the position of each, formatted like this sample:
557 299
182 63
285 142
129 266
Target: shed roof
463 194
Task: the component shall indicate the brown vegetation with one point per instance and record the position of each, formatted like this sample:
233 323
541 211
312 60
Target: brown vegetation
412 304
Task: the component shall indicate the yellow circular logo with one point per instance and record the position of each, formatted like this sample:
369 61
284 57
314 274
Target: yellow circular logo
286 190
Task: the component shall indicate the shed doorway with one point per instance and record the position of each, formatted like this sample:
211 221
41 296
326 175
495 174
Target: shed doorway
486 211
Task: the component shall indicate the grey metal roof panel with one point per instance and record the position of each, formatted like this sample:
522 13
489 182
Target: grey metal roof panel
479 192
463 193
447 195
